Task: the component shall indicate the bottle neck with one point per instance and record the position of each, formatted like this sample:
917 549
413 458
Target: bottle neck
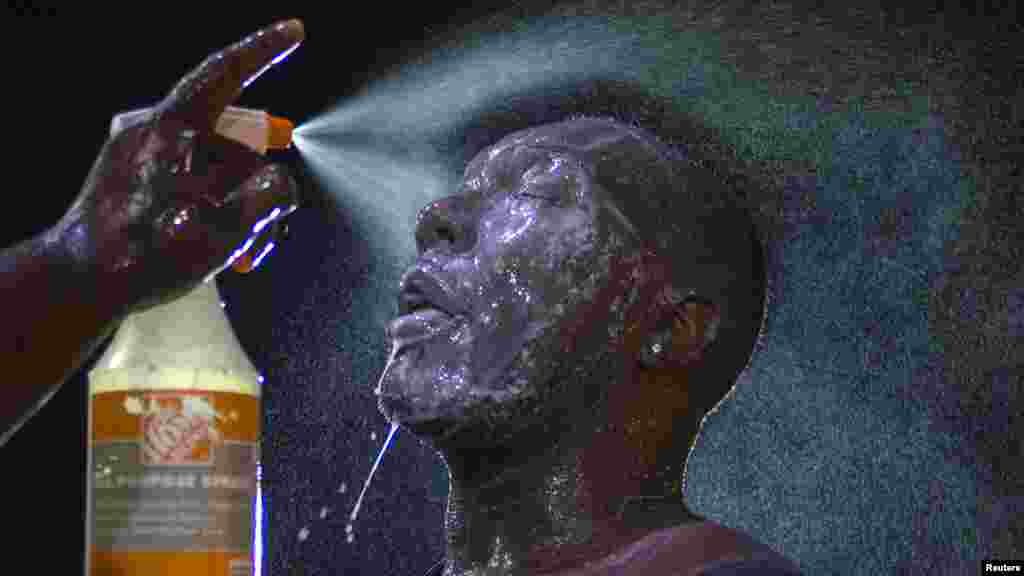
191 332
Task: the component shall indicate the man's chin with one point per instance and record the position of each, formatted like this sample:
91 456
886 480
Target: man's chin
431 429
395 409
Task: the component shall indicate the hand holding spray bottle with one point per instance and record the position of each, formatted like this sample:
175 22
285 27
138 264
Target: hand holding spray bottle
174 425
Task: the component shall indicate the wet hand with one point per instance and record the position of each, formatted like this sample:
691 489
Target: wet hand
169 202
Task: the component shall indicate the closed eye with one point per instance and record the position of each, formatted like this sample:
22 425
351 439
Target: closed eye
551 199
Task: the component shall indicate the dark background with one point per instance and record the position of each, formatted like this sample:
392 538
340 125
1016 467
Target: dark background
66 75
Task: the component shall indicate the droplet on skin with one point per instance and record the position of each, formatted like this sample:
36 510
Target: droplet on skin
303 534
323 512
343 488
373 435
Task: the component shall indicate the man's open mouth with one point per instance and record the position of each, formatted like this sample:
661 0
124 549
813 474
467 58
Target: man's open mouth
425 307
419 325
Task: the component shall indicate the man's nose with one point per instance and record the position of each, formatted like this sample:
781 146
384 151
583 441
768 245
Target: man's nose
448 224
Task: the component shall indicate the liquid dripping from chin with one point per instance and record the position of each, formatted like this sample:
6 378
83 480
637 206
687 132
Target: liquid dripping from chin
349 535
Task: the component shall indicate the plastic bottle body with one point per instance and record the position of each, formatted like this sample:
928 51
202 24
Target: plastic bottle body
173 447
173 454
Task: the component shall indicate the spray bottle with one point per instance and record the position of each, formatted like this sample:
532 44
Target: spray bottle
174 427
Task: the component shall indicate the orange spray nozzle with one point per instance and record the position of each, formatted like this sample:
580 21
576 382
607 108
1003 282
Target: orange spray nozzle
279 134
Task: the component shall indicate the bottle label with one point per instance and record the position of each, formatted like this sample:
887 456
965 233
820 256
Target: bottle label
173 474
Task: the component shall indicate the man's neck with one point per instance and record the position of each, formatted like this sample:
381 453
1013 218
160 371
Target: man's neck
550 512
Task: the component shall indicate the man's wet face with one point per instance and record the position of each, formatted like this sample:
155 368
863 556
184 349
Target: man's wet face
501 263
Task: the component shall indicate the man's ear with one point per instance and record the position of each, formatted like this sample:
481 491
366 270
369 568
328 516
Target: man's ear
686 328
701 318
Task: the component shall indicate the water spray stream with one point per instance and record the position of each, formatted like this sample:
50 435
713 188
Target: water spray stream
382 155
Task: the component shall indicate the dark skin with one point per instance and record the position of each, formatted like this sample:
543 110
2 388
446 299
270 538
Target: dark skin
545 349
167 204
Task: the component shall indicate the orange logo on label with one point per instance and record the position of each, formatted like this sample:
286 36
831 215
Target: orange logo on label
176 428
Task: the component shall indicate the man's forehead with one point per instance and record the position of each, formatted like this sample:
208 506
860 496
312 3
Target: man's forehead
576 136
582 133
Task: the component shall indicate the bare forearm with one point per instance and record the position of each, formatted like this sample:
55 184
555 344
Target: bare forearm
56 312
